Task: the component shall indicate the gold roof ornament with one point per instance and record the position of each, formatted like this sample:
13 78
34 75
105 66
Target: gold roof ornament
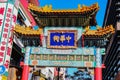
27 30
80 9
47 8
87 28
100 31
79 6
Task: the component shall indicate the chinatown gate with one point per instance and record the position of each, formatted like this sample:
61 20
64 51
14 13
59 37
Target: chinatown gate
64 39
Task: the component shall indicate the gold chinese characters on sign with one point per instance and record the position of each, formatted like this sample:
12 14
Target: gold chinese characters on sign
62 39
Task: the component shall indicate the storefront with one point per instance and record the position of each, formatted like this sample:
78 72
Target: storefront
37 75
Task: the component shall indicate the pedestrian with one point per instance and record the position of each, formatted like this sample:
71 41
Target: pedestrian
30 75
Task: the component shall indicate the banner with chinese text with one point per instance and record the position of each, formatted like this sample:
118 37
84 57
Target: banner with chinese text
2 13
8 17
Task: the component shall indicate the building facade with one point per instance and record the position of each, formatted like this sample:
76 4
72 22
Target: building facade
112 56
26 20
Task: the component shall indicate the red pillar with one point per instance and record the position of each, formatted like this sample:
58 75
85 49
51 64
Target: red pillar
25 72
98 73
82 40
98 67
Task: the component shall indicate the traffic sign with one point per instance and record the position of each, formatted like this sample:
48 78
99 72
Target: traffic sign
2 69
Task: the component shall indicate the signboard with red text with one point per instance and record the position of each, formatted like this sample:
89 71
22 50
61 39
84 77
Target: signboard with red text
10 38
2 13
8 17
5 33
2 30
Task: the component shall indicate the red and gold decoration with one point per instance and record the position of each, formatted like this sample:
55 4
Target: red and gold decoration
48 8
100 32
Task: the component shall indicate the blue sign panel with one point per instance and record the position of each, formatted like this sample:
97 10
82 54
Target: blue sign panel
2 69
62 38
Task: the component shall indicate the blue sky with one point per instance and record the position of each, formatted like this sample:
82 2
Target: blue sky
71 4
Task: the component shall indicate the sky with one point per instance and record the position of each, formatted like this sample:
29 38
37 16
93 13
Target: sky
73 4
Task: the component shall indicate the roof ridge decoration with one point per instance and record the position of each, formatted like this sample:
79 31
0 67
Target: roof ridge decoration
27 30
47 8
100 31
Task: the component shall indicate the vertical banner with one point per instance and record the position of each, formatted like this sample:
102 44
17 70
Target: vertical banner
10 37
2 13
8 17
5 32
